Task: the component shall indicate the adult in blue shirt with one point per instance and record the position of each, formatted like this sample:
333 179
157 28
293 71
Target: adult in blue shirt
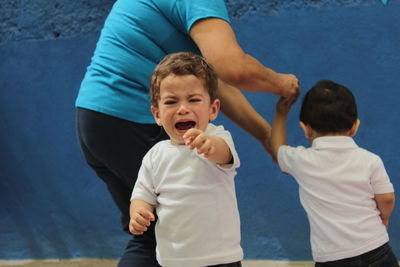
114 121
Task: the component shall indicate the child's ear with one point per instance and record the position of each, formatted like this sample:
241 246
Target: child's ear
354 129
306 129
156 114
214 108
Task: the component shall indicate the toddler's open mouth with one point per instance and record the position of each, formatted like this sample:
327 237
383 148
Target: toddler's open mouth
185 125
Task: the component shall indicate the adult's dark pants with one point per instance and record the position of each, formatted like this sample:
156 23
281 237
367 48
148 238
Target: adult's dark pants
382 256
114 149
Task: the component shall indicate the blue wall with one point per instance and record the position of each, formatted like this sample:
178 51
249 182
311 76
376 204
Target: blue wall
52 204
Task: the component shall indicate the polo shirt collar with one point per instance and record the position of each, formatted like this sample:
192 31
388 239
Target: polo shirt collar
334 142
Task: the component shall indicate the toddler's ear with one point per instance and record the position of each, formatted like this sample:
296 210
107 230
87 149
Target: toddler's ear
156 114
354 129
214 108
306 129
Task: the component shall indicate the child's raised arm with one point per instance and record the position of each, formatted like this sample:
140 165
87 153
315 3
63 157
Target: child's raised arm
213 148
278 135
141 214
385 204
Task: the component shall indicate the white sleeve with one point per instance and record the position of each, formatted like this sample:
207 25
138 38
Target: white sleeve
379 178
144 187
288 157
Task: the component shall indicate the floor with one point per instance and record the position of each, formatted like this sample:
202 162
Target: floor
112 263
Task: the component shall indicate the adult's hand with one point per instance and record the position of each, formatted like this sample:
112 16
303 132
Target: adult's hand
289 86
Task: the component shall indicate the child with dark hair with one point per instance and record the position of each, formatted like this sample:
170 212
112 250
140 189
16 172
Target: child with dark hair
343 188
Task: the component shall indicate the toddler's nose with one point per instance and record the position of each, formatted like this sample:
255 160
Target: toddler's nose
183 109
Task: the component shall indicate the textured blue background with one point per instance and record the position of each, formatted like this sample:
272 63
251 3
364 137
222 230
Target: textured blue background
53 206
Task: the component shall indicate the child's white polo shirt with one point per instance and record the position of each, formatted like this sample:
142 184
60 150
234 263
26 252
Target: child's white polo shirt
337 183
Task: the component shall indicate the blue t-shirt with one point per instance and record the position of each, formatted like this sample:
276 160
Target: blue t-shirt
135 37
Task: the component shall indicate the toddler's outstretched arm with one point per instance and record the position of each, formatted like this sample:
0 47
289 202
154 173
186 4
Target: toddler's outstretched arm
278 135
212 147
142 215
385 204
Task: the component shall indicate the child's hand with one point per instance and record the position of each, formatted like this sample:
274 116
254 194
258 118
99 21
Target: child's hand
140 220
195 138
284 104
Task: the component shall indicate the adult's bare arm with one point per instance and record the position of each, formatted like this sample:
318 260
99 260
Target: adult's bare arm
217 43
237 108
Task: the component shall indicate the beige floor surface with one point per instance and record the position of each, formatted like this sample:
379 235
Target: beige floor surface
112 263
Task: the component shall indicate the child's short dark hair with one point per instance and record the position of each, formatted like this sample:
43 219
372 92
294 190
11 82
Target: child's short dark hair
183 63
329 108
